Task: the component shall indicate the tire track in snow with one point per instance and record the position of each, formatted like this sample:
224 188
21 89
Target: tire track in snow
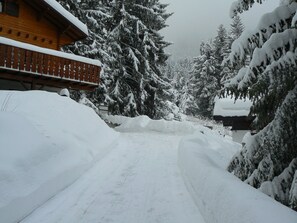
6 101
138 181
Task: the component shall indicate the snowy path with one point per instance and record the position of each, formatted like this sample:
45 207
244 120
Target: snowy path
138 181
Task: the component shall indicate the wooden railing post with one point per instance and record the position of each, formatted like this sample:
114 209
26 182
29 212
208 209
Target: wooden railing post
2 55
67 67
16 57
39 62
22 59
34 62
28 60
8 56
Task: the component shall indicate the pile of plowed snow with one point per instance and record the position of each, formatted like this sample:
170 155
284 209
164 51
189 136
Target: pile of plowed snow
220 196
144 124
46 142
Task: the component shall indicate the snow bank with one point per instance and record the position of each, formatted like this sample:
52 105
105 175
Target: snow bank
46 142
144 123
220 196
116 119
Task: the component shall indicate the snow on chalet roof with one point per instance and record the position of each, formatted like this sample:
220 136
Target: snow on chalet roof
27 46
71 18
227 107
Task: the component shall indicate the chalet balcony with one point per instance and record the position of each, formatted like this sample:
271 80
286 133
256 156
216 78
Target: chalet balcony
31 64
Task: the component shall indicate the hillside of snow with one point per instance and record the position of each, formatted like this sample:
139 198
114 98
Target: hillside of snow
46 142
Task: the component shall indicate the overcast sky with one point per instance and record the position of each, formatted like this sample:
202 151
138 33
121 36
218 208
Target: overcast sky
197 20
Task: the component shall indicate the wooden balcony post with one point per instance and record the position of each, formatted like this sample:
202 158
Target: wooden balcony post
45 64
62 66
28 60
39 62
34 62
57 66
67 68
16 57
22 59
8 57
2 55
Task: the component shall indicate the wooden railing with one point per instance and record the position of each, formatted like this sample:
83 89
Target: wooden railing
38 63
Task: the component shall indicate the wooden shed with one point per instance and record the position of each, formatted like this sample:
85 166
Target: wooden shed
32 33
234 114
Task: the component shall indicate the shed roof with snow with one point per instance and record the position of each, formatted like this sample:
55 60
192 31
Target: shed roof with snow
233 113
228 107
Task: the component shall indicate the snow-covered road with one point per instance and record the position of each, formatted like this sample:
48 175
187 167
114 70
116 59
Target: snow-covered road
138 181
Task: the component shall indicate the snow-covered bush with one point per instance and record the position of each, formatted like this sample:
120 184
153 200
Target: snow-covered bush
64 92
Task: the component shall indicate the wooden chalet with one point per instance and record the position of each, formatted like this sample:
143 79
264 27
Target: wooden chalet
32 33
234 114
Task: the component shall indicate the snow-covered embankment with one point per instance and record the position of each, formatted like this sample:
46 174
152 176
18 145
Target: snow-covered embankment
46 142
220 196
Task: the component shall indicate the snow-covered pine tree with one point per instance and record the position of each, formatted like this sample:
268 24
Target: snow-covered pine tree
205 84
179 74
138 86
268 160
220 52
95 14
236 29
208 71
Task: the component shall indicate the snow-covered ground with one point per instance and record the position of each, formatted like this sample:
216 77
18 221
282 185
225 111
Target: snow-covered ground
138 181
59 162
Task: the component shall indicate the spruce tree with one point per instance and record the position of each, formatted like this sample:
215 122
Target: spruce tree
180 76
125 36
220 52
95 15
204 80
208 71
268 160
138 86
236 29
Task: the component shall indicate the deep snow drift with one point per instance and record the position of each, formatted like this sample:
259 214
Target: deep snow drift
46 142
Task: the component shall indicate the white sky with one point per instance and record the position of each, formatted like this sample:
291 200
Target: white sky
197 20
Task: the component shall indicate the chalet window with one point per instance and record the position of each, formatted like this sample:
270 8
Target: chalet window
1 5
10 7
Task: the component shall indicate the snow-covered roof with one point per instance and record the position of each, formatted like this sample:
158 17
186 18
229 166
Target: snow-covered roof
67 15
27 46
227 107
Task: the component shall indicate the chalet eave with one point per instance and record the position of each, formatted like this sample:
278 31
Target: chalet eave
43 9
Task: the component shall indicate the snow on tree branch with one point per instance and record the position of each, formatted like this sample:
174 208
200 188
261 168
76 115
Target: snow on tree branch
240 6
274 22
278 51
274 48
